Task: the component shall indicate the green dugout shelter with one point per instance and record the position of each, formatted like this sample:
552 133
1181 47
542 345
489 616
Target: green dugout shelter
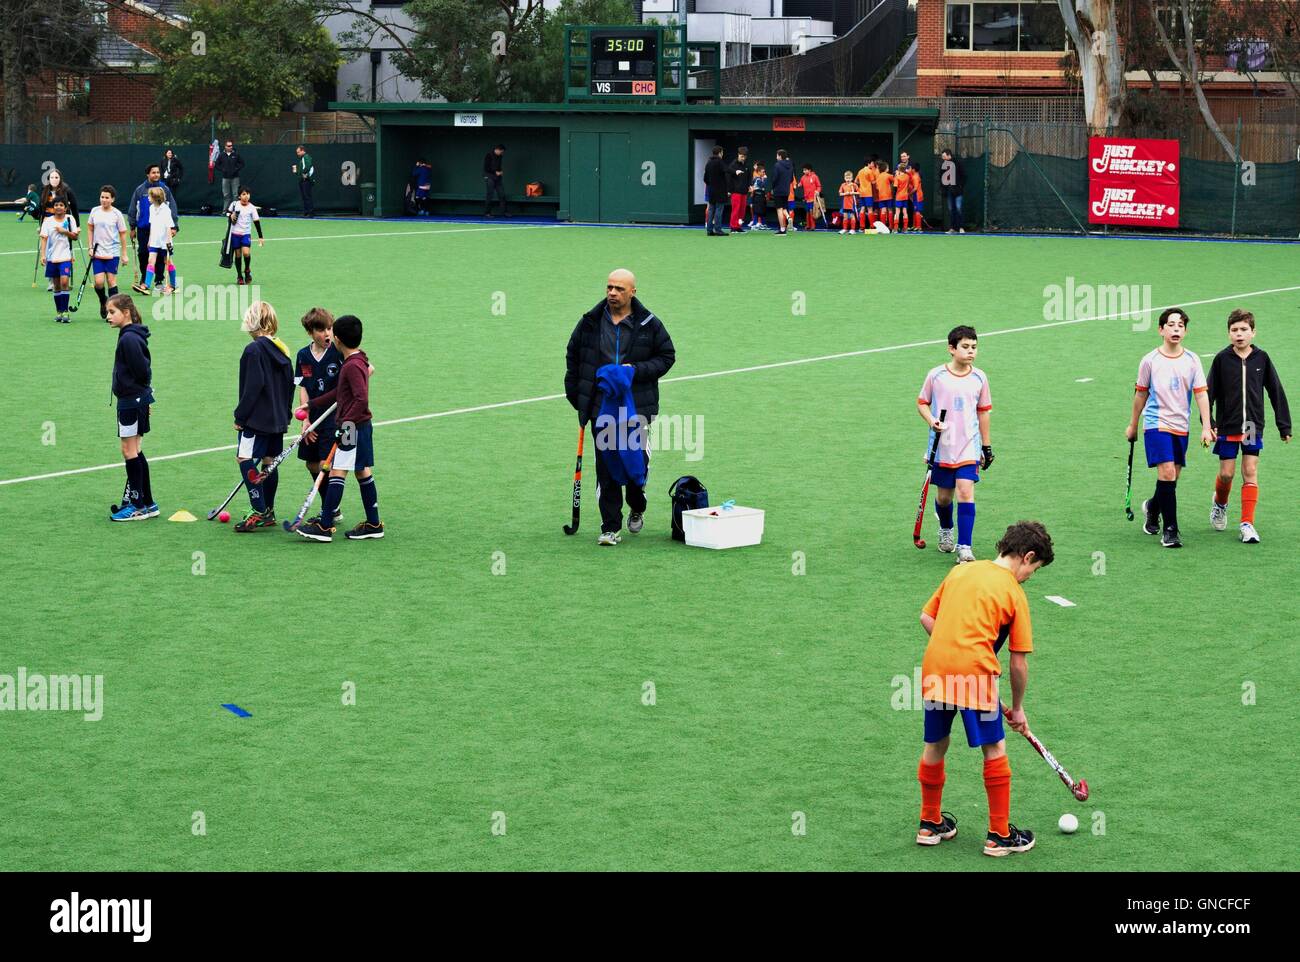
619 163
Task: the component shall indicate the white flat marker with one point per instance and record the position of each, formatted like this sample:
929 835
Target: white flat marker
1063 602
1082 380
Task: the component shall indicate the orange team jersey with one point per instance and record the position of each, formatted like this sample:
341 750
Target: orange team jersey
848 195
916 184
866 183
902 185
884 185
975 608
792 183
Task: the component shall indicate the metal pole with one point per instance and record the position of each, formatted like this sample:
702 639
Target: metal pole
1236 176
984 224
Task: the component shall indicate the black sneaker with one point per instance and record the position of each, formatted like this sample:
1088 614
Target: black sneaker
1170 539
365 530
255 520
315 531
1018 840
1151 524
932 833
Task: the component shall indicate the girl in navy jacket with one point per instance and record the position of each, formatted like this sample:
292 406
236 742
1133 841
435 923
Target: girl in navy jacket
262 414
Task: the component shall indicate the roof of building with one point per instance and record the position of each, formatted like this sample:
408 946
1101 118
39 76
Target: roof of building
116 51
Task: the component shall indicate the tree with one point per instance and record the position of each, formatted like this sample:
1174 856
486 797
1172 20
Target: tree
1093 28
1188 63
480 50
241 58
51 37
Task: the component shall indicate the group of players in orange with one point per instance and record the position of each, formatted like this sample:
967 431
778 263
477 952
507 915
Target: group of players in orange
877 195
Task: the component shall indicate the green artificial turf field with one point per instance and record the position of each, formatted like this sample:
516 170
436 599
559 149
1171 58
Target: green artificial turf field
522 692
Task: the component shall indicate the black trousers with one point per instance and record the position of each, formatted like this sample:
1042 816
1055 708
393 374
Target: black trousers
609 494
493 187
304 188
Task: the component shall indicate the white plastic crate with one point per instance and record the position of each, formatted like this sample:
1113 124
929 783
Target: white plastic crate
719 528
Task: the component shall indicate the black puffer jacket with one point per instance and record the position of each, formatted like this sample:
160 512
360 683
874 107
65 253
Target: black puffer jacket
1236 387
651 354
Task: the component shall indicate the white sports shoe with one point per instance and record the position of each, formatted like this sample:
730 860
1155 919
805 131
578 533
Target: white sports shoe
964 554
947 544
608 538
1218 516
1248 533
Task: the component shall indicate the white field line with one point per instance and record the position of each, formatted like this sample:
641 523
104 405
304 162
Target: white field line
688 377
31 252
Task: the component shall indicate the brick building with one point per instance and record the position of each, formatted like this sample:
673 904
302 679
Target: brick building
1020 48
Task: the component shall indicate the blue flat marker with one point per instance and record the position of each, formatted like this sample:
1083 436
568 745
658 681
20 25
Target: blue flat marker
236 710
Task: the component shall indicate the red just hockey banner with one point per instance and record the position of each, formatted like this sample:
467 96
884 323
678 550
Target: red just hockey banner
1133 182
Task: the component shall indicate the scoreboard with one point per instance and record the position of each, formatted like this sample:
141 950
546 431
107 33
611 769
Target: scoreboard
624 62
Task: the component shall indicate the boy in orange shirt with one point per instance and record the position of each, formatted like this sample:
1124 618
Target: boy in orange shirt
812 187
866 195
902 191
885 194
974 610
918 199
849 204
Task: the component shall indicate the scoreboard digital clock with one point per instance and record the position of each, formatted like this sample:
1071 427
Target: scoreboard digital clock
624 62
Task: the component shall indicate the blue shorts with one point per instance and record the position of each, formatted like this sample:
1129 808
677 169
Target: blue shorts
358 455
319 449
241 240
107 265
1162 446
1227 449
61 269
254 447
948 477
918 205
982 728
132 422
789 205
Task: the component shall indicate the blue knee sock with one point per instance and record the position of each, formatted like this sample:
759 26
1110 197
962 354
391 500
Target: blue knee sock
333 498
370 499
61 301
944 514
255 499
269 487
965 521
148 277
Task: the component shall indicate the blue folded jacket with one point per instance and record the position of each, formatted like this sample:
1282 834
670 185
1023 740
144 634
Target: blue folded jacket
620 433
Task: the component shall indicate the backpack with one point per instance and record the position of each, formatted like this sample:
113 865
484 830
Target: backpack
687 493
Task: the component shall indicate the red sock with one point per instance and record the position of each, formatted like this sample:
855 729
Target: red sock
997 784
931 778
1249 496
1222 488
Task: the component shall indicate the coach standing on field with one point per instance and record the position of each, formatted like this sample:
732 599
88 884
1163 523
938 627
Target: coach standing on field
229 164
952 185
305 170
493 184
618 330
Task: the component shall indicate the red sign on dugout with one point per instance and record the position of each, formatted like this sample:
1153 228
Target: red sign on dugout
644 88
1133 182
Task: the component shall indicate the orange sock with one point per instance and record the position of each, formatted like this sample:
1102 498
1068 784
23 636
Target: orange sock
997 784
931 778
1222 488
1249 495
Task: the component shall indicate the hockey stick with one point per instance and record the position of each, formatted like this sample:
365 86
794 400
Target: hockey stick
577 484
1128 492
315 487
90 262
259 478
925 488
37 265
1078 789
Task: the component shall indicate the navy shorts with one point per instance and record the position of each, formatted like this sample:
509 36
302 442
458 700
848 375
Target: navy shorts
1162 446
947 477
107 265
60 269
319 449
360 454
1226 448
982 727
241 240
254 447
132 422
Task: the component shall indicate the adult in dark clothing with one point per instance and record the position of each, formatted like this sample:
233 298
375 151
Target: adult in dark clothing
173 172
738 179
305 170
419 186
952 184
782 179
55 190
618 330
493 184
715 182
228 166
137 215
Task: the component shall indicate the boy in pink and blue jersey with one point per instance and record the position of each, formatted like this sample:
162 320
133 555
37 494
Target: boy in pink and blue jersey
962 390
1168 378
